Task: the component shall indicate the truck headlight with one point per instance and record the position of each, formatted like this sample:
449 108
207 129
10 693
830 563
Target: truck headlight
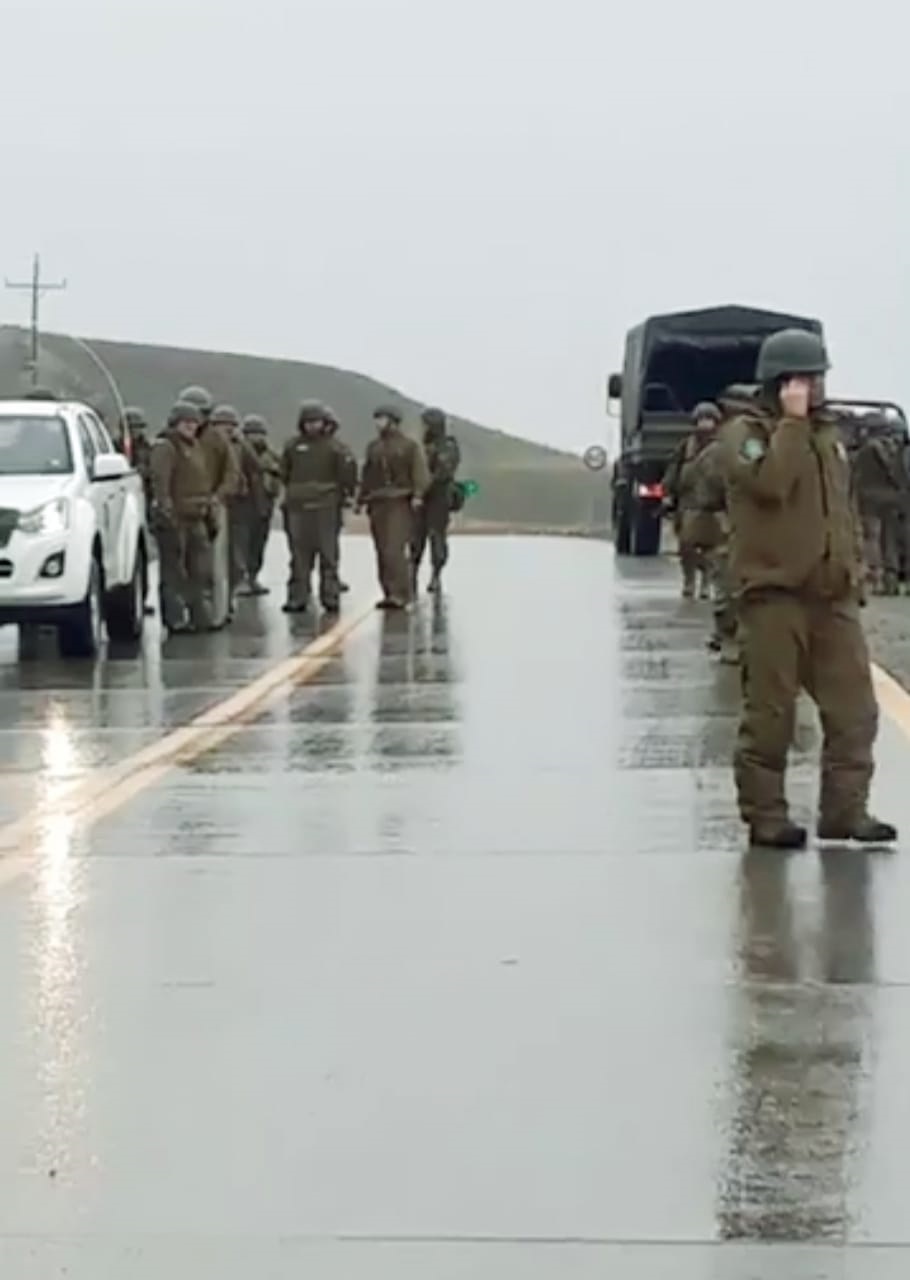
51 517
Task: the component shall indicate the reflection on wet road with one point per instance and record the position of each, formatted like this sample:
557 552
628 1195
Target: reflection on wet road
449 965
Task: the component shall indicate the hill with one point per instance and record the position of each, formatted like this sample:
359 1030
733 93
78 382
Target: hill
520 482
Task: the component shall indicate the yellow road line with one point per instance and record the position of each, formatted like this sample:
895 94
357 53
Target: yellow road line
893 698
106 790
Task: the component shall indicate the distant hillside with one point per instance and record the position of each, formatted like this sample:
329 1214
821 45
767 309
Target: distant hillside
520 482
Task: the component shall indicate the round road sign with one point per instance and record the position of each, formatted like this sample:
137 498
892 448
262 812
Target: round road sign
595 457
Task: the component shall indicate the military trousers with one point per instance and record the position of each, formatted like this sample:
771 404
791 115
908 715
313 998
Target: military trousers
259 530
242 516
392 527
185 573
790 642
431 526
313 539
723 595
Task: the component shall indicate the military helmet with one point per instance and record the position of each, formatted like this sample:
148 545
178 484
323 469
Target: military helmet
134 418
390 411
226 415
330 415
311 411
185 411
255 424
790 352
434 418
198 396
706 409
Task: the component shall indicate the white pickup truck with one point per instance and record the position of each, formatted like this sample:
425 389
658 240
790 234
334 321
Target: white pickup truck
73 538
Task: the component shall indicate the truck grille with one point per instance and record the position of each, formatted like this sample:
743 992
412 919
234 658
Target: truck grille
6 568
8 521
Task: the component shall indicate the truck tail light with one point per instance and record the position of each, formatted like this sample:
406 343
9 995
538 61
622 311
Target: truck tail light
653 491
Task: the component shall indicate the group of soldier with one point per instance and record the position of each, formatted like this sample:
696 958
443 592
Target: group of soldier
213 482
767 503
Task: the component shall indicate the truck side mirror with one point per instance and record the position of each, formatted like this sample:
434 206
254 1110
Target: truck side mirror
614 393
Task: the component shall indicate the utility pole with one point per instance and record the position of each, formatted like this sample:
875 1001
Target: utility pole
37 288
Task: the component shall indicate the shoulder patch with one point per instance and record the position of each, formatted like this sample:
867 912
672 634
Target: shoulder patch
752 449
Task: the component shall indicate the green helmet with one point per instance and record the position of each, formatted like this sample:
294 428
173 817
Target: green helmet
185 411
435 419
255 425
390 411
134 419
706 409
790 352
225 415
311 411
198 396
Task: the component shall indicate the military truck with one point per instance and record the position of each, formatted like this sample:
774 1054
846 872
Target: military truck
671 363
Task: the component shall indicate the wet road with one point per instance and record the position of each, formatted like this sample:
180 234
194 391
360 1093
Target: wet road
448 964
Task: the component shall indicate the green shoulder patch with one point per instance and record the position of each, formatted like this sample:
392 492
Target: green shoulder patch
752 449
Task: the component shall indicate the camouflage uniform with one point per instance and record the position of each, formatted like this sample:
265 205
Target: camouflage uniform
256 431
349 488
224 477
183 522
797 562
881 493
394 479
313 471
698 532
431 521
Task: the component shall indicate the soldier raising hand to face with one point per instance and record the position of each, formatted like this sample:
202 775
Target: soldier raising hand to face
797 565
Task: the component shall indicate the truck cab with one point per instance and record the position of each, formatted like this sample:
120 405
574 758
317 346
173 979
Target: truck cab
73 541
671 363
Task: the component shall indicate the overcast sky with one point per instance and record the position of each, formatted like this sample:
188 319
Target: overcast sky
469 199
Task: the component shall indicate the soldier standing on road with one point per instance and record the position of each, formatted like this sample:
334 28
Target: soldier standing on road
431 520
313 471
881 492
245 504
134 428
709 498
679 484
224 476
394 480
798 565
182 519
256 431
350 485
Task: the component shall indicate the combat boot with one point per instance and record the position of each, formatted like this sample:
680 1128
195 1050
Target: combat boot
729 652
865 830
781 835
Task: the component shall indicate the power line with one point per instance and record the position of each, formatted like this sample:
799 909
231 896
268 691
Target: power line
37 288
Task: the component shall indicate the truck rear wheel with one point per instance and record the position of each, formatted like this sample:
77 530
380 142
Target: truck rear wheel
646 531
622 528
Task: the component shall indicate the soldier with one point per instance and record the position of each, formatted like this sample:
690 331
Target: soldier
881 491
350 486
183 520
431 521
394 480
247 501
135 429
256 431
313 471
224 477
797 564
709 506
692 530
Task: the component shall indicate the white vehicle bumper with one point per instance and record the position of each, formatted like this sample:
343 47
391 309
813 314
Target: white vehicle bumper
41 575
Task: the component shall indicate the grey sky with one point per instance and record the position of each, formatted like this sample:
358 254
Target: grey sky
470 199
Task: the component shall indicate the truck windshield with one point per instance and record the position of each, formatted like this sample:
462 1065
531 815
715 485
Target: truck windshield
33 446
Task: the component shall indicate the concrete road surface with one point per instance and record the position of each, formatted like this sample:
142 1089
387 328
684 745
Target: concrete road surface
433 953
